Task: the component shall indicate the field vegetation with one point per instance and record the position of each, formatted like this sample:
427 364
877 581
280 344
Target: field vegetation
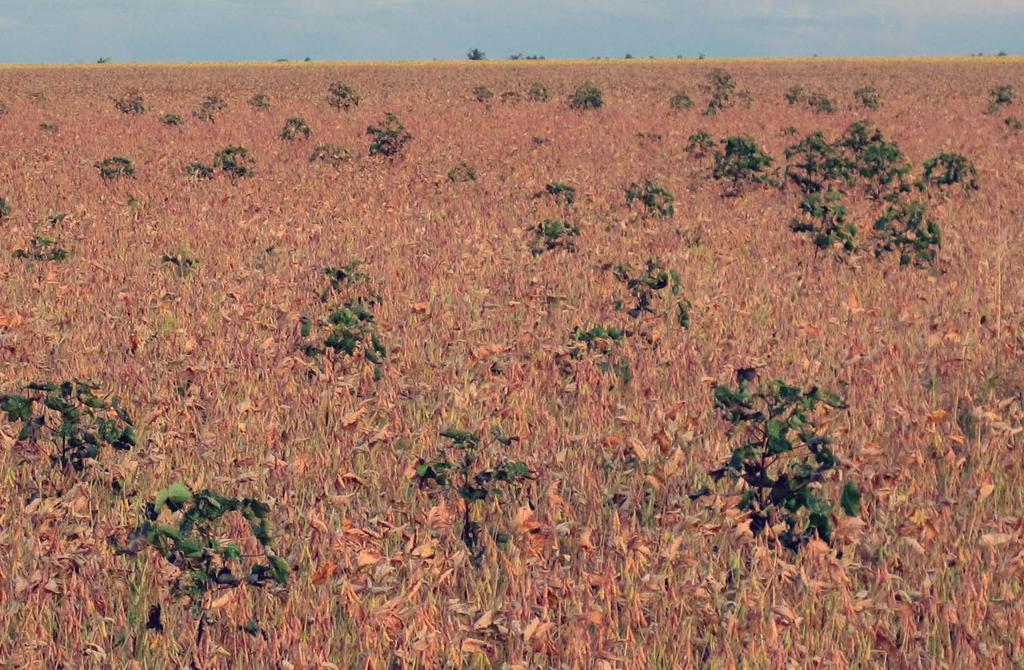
636 365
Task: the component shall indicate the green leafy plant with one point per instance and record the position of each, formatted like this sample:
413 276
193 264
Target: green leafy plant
741 162
5 209
868 97
654 198
680 102
458 470
42 248
1000 96
600 344
815 164
348 329
596 335
586 96
907 229
130 103
48 127
795 95
234 160
389 138
209 107
721 89
482 94
187 530
118 166
825 218
950 168
553 234
461 173
563 194
1013 123
783 459
330 154
182 260
260 101
821 103
538 92
170 119
295 128
199 171
342 96
881 164
511 97
71 418
700 144
644 286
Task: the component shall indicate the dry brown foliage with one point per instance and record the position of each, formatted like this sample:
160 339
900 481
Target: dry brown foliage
611 565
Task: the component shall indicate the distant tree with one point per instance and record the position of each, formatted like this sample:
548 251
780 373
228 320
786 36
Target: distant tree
103 60
476 54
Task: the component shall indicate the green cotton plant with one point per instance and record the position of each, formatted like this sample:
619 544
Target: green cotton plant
654 198
69 416
482 94
795 95
260 101
199 171
680 102
721 88
5 209
234 160
186 529
348 329
331 154
389 138
868 97
644 286
538 92
347 275
782 458
586 96
700 144
210 107
118 166
950 168
821 103
182 260
130 103
295 128
563 194
170 119
461 174
42 248
825 218
1000 96
815 164
742 163
906 229
551 235
458 469
342 96
881 165
601 344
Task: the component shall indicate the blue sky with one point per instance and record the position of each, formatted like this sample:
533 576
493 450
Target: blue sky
194 30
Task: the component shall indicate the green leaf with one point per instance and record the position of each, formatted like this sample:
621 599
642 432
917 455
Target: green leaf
850 499
174 496
281 569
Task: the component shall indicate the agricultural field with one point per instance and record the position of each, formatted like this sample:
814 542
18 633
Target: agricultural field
513 365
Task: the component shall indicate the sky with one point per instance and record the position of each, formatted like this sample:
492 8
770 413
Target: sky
79 31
